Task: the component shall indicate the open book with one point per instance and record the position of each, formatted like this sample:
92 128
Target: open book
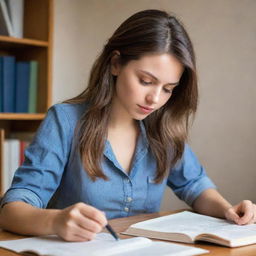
189 227
103 244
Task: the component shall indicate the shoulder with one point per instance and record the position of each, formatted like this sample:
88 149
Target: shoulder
67 113
71 110
59 124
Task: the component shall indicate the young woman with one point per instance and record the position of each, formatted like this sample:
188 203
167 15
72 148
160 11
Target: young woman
110 151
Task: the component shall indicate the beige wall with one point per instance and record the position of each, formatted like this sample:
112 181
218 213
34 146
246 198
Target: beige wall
223 32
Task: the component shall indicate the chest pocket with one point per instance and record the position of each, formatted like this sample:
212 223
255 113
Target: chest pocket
154 194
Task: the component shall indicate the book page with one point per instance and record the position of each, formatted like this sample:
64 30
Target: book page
236 235
165 249
193 224
103 244
54 246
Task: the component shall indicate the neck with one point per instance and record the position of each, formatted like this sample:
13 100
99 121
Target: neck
120 119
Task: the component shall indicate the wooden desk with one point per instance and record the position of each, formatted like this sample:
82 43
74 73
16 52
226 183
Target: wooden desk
122 224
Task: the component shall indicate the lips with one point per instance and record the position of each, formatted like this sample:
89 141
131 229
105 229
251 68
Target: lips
145 109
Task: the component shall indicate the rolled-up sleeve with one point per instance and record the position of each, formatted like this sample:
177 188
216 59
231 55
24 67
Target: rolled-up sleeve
36 180
188 178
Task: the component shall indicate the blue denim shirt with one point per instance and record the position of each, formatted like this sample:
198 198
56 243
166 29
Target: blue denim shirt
52 174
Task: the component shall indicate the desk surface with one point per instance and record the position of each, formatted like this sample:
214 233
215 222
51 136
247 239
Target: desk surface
122 224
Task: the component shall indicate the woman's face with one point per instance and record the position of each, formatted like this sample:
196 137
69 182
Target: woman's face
145 85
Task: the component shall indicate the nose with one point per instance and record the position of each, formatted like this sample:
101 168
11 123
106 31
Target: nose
153 95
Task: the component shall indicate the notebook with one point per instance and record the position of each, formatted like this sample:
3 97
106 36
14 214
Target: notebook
103 244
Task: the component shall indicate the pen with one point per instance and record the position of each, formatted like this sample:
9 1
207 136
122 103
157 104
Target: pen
112 232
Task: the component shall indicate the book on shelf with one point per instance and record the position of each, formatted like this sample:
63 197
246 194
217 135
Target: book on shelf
18 85
22 86
5 21
5 182
33 85
13 157
189 227
103 244
11 161
16 13
7 82
26 86
22 147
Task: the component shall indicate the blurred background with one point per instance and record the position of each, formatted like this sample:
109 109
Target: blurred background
224 37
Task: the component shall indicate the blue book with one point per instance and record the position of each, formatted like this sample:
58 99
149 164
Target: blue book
22 86
7 77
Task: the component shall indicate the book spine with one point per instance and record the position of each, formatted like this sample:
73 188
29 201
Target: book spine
33 84
16 13
5 21
8 83
22 86
14 157
6 166
23 146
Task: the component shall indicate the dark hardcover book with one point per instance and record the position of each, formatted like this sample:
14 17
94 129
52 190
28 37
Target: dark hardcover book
7 77
22 86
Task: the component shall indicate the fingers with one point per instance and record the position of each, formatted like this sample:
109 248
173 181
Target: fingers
242 213
93 214
79 222
232 215
89 224
253 220
246 212
78 234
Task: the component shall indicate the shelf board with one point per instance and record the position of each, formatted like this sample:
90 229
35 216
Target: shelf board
8 41
21 116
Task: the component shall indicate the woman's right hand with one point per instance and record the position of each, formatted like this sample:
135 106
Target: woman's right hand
79 222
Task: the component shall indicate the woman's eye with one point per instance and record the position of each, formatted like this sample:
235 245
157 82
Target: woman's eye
143 82
167 90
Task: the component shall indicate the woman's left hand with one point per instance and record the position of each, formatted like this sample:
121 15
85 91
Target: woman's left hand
242 213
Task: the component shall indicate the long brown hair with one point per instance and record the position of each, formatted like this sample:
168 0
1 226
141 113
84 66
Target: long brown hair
145 32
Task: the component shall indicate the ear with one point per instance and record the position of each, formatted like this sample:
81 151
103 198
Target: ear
115 65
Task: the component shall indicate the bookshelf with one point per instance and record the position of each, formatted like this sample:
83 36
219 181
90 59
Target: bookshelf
36 44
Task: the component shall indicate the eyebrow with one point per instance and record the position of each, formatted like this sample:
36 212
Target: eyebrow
155 78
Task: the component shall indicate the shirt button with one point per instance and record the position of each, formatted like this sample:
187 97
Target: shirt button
127 180
126 209
129 199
